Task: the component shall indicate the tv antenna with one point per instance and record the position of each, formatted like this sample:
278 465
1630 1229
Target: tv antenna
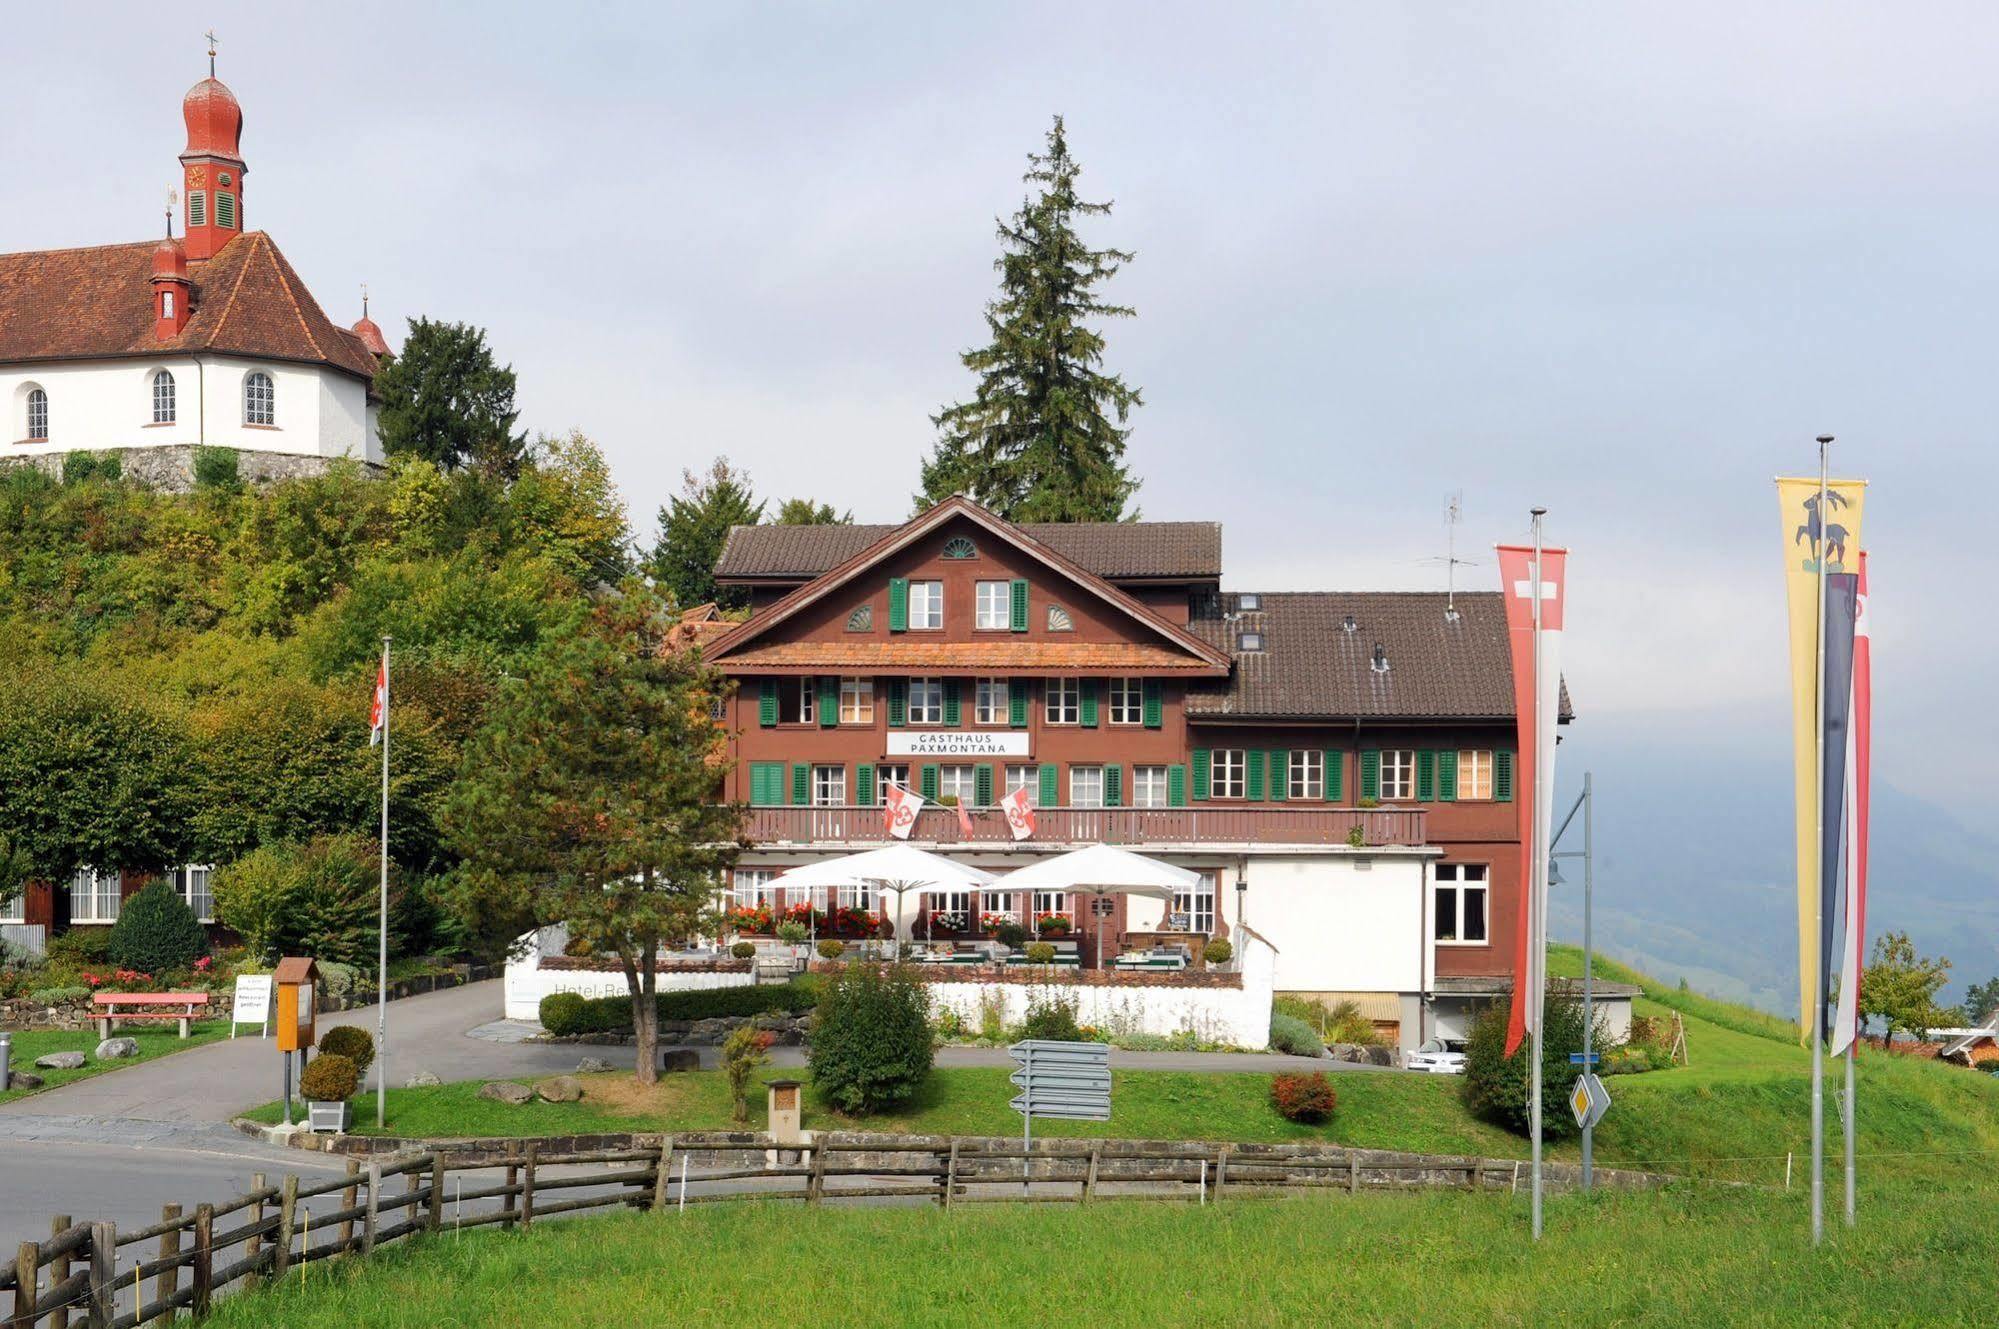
1453 515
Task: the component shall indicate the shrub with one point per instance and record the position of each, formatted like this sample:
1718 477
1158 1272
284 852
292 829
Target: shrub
562 1013
156 931
791 932
832 948
329 1078
57 996
567 1013
742 1052
1346 1024
1051 1017
1010 935
1307 1098
216 468
79 946
871 1045
1292 1035
1218 951
1497 1087
318 897
743 950
1041 952
349 1041
78 467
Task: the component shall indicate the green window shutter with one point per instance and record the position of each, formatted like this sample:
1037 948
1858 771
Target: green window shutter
982 785
1176 786
766 783
829 701
1253 782
801 784
1370 773
898 604
225 210
1113 786
1087 703
1426 776
1447 777
1280 775
1016 703
929 781
951 705
1335 768
864 785
1019 605
1154 710
1502 776
1050 776
898 702
1200 763
767 703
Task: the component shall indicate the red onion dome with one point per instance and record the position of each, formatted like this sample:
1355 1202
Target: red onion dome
214 119
170 261
371 336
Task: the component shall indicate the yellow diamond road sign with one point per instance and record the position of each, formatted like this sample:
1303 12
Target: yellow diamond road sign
1589 1100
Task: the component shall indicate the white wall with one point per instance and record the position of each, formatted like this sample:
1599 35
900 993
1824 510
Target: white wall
1341 923
109 404
527 983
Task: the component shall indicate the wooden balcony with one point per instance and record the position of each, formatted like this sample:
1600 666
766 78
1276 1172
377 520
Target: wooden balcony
1218 824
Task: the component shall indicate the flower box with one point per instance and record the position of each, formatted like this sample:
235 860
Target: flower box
329 1117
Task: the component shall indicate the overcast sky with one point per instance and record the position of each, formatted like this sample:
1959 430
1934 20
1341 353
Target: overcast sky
1620 261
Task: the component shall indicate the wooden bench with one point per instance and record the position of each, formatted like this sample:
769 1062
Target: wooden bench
142 1006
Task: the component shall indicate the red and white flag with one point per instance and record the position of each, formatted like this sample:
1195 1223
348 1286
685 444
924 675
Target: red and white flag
899 810
964 819
1019 809
1527 588
1859 742
378 710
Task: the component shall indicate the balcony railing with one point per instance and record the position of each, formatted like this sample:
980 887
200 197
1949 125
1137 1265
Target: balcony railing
1217 824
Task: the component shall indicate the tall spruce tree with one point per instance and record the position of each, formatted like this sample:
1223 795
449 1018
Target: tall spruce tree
445 398
692 527
1043 437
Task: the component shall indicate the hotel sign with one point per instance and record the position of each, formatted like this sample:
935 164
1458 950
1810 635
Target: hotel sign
962 743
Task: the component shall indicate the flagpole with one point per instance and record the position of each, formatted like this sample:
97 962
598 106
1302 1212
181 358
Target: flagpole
382 935
1818 891
1535 903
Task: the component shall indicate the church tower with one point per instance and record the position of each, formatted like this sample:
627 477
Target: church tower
212 165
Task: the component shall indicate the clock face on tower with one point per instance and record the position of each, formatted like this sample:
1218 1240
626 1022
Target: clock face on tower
197 176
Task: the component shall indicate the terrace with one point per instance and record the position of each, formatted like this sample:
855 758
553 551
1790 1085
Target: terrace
1215 826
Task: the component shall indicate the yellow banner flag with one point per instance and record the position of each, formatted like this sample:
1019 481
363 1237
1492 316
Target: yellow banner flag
1810 536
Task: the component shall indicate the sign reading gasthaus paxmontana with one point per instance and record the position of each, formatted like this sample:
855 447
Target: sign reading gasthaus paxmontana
957 744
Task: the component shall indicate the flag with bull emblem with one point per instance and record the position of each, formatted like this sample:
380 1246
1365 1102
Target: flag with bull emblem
899 810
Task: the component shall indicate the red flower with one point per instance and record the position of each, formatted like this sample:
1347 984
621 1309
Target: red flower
92 979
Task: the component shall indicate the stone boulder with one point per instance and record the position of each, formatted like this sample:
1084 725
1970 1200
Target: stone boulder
559 1089
506 1091
592 1066
23 1080
679 1059
61 1061
422 1080
112 1049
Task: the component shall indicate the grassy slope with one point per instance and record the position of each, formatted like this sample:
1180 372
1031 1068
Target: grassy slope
1695 1255
155 1039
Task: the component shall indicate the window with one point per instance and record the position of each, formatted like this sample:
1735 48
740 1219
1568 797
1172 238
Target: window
1051 902
855 897
1461 890
94 896
862 619
886 775
1249 602
926 701
989 702
197 207
1250 641
1063 701
857 701
1086 786
829 786
225 210
1127 701
797 700
1148 787
166 304
1028 778
1308 773
1003 903
1398 774
163 392
1475 774
38 415
960 547
752 886
194 886
1226 773
994 607
260 400
958 782
926 604
948 910
1194 910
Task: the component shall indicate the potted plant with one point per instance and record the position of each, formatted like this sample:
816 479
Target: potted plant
329 1081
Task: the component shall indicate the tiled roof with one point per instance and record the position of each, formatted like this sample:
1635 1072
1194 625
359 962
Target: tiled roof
77 304
1115 550
980 657
1312 667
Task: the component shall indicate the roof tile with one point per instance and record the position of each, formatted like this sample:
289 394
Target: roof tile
1114 550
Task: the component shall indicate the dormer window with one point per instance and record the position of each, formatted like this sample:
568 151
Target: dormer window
38 415
167 305
260 400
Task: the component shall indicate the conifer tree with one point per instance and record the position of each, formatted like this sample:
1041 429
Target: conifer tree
1043 437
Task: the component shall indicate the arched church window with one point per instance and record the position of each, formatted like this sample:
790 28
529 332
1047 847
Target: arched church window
260 400
38 415
163 398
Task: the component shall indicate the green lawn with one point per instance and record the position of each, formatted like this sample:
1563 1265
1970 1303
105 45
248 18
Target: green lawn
156 1038
1694 1255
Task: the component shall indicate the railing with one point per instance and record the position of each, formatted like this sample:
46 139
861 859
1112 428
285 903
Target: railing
1212 825
75 1276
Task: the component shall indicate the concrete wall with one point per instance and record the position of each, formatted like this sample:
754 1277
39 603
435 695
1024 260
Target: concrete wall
1341 922
527 983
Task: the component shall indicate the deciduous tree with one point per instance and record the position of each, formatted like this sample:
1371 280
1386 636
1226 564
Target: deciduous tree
1901 986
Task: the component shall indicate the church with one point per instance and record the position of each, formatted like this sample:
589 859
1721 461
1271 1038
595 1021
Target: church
155 349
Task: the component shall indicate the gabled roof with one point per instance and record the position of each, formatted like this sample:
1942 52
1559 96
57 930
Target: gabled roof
1195 653
91 304
1115 550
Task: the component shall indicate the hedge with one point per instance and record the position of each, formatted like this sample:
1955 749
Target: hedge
564 1013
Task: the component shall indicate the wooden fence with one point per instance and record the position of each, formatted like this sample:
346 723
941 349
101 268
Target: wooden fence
92 1274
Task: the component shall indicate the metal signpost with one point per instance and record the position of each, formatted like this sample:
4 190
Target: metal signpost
1585 804
1059 1081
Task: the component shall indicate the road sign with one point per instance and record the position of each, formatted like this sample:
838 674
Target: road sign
253 1002
1061 1079
1585 1058
1589 1100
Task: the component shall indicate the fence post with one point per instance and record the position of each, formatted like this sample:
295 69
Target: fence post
1474 1174
27 1269
59 1267
168 1281
204 1257
1221 1171
255 1245
372 1220
436 1217
951 1174
281 1249
1090 1178
659 1181
103 1270
815 1185
527 1186
348 1199
1353 1173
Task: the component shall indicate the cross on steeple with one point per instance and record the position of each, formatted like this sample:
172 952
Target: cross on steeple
210 34
364 299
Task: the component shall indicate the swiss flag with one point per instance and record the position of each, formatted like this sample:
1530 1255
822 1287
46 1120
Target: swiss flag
1019 813
378 711
899 810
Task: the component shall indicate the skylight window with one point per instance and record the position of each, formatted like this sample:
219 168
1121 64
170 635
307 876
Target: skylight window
1250 641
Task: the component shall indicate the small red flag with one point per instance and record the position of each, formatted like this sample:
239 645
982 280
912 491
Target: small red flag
378 711
964 821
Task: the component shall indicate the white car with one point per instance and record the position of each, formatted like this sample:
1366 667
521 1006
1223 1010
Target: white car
1439 1056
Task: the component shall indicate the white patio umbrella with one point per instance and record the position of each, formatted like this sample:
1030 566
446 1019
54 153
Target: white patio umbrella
900 868
1104 869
